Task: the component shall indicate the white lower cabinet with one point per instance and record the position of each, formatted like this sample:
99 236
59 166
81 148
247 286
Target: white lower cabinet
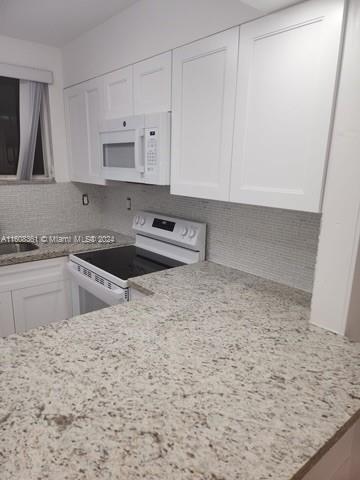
40 305
7 326
33 294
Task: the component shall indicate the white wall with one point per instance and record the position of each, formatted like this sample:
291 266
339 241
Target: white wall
147 28
340 230
35 55
353 323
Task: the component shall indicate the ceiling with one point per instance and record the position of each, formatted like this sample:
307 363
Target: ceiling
57 22
267 6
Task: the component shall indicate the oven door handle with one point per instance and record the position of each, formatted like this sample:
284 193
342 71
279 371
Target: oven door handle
110 297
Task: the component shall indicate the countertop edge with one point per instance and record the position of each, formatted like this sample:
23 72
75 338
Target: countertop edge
307 467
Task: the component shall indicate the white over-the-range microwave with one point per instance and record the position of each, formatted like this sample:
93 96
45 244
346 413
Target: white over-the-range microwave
136 148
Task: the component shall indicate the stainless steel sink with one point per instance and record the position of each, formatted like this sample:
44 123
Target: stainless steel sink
16 247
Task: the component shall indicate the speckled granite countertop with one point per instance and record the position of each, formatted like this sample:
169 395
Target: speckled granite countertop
62 244
217 376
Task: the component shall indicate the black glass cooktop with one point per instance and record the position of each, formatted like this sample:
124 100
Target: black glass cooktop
128 262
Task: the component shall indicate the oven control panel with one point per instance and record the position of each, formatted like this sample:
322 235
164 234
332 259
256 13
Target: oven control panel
178 231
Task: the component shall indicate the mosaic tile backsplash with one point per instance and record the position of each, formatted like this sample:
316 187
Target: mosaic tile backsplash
280 245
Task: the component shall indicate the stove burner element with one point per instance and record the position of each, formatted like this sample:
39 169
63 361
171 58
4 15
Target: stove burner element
128 262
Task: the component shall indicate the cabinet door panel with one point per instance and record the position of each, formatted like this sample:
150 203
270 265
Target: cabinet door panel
204 85
286 85
7 326
84 108
76 133
41 305
119 93
152 85
93 91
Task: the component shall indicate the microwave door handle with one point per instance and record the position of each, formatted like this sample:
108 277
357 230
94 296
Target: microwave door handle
139 155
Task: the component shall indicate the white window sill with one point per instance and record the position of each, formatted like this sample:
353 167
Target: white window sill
34 181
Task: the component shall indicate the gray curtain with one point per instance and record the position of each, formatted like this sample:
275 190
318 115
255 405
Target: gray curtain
31 94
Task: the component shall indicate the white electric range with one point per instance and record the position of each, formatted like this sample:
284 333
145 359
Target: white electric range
100 278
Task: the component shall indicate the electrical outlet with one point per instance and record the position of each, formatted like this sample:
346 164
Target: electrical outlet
85 199
128 203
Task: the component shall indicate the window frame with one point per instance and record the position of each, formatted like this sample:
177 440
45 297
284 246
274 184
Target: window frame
48 175
46 138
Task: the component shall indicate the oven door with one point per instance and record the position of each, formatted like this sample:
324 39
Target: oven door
123 155
89 295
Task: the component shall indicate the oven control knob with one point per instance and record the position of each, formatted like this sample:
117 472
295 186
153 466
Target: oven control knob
184 231
142 221
192 233
137 219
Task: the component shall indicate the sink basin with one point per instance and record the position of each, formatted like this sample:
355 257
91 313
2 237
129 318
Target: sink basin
16 247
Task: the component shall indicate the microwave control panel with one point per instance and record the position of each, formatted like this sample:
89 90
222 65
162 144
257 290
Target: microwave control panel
151 149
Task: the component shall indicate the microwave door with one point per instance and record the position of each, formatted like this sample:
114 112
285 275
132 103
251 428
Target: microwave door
122 155
139 150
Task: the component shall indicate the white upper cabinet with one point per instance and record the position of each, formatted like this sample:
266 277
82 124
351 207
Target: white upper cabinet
251 116
285 95
84 108
152 84
118 93
94 112
75 113
203 103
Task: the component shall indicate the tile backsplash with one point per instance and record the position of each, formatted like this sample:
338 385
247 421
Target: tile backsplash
48 208
280 245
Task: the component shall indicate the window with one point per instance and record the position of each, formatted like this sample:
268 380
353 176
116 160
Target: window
9 126
10 123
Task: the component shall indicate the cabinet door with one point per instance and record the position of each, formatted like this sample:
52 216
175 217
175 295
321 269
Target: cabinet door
152 84
118 88
41 305
7 326
286 85
93 92
75 112
83 108
203 101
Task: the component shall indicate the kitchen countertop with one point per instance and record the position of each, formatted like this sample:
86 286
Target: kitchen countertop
62 244
216 376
